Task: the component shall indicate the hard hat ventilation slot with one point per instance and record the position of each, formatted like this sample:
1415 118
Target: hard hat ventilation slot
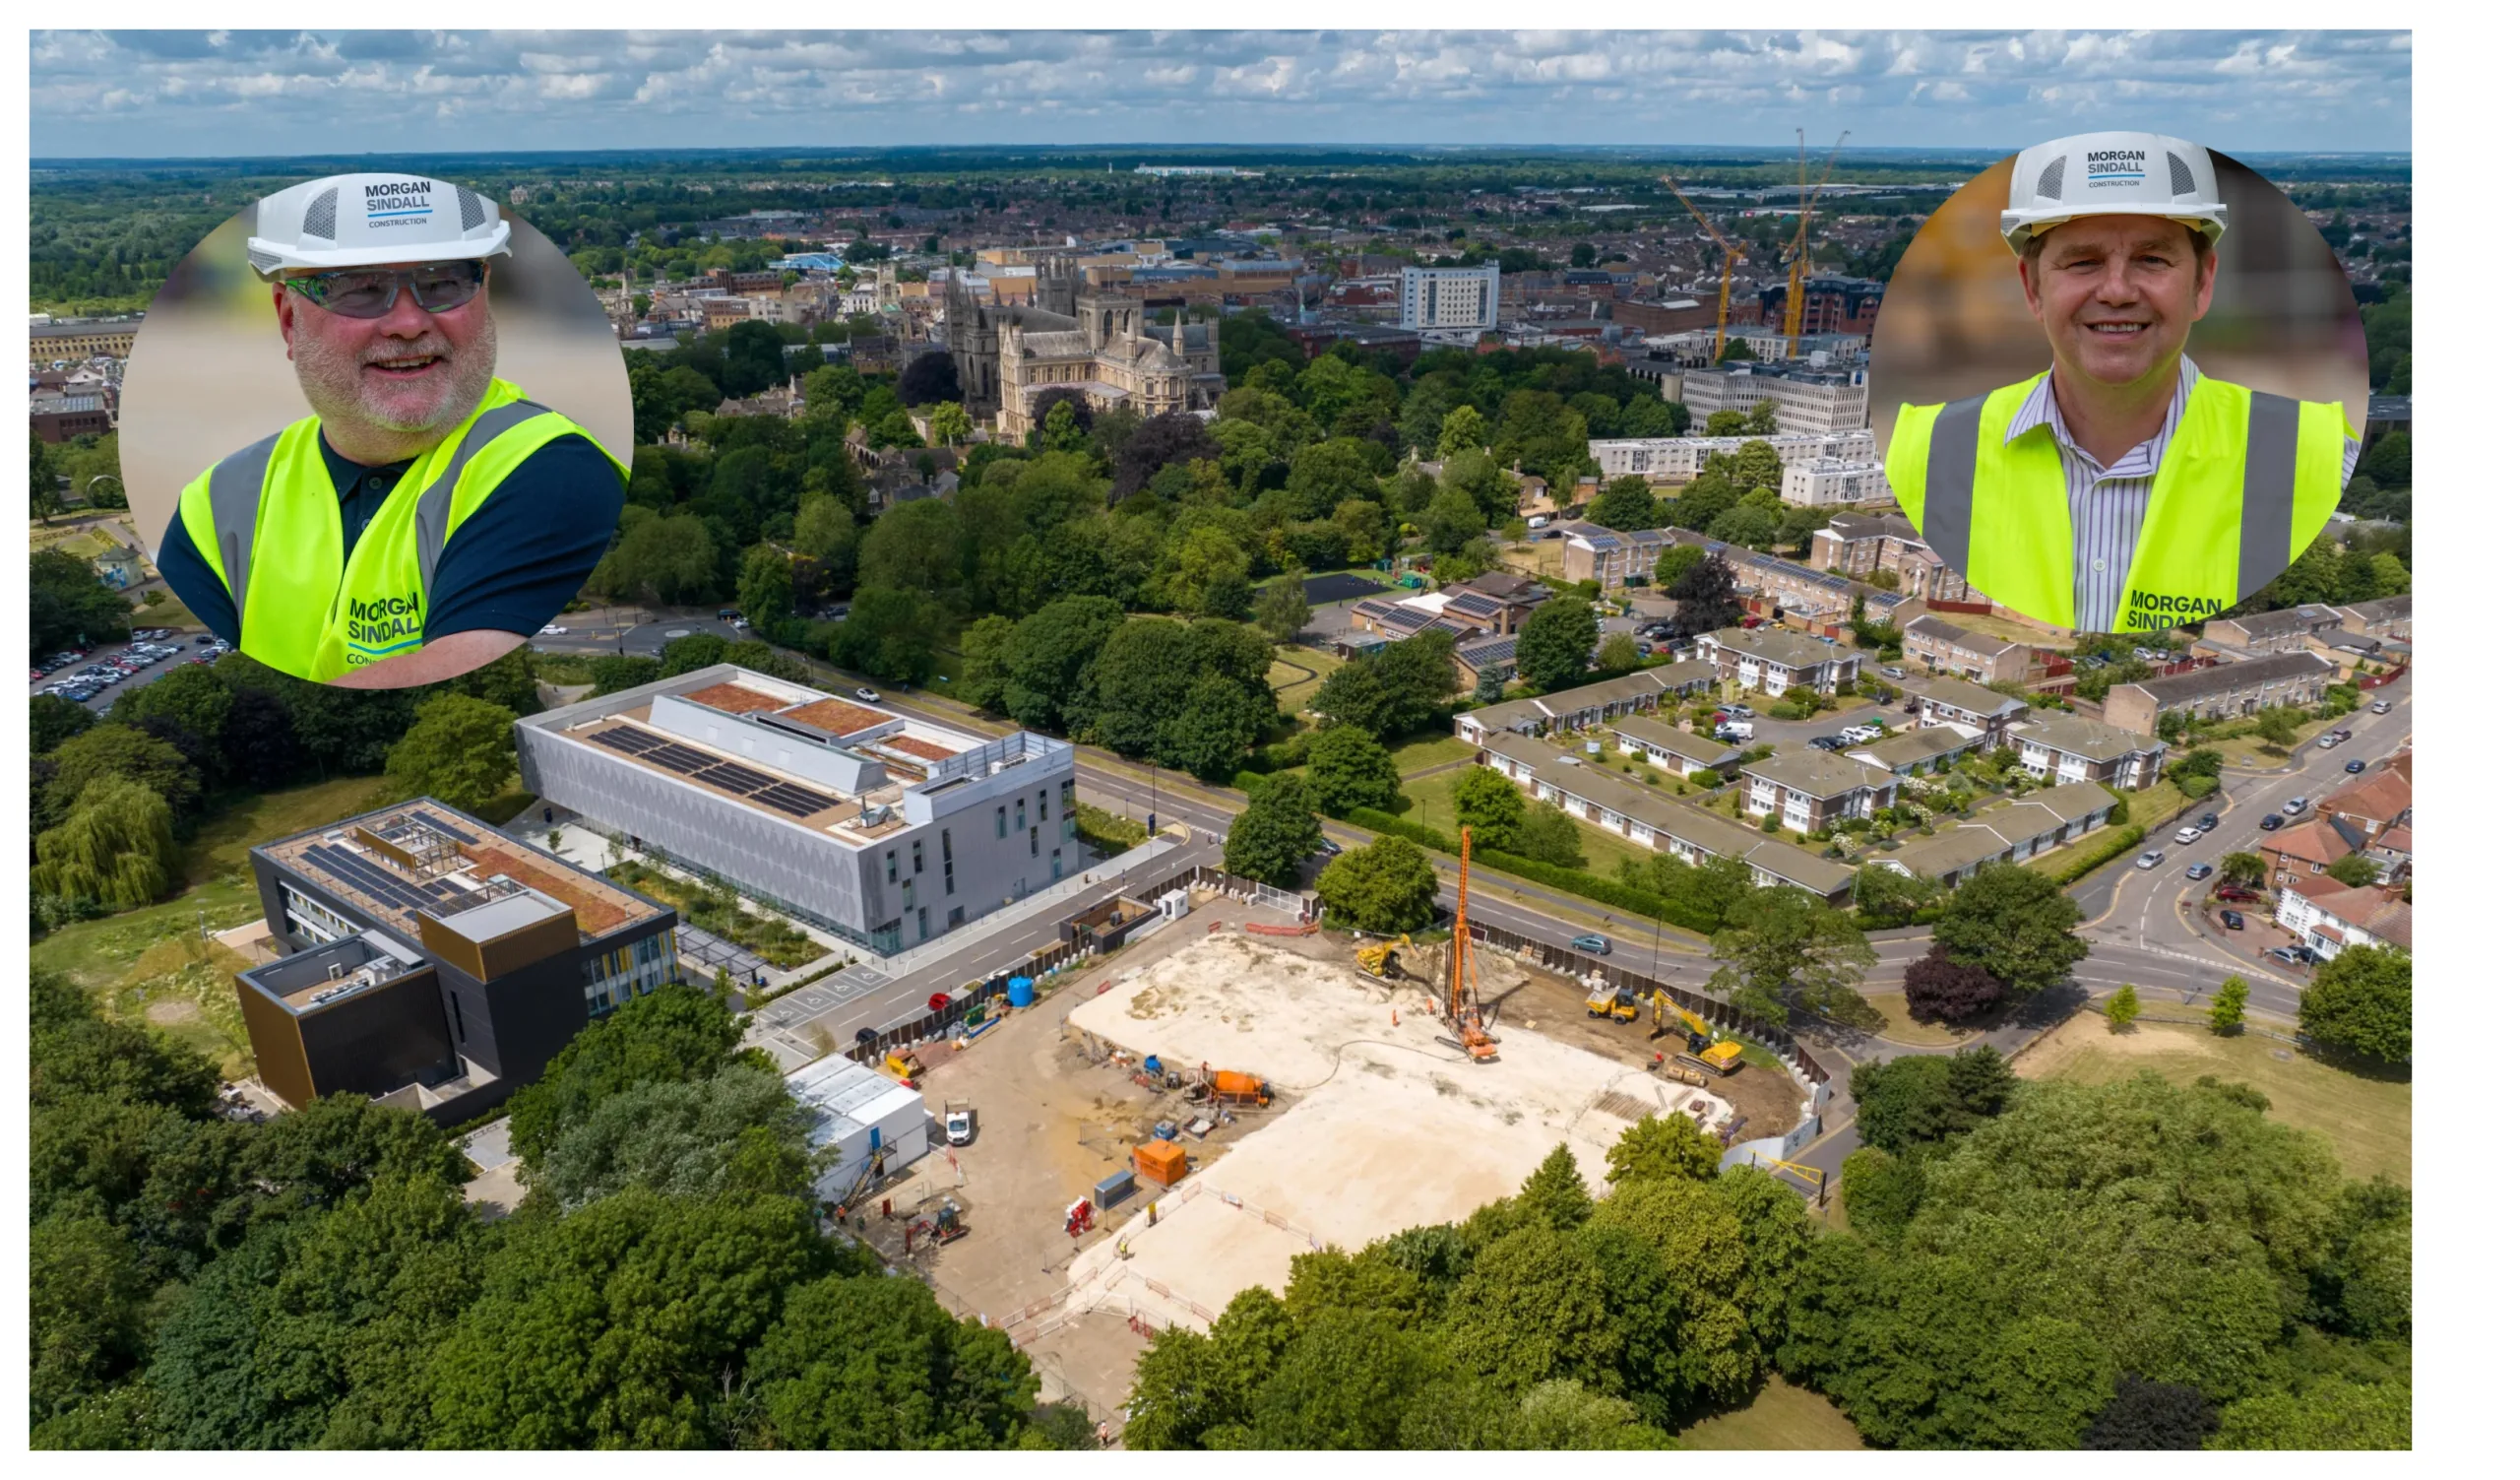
319 214
470 205
2052 180
2183 180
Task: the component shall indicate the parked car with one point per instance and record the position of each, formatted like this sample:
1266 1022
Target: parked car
871 696
2210 821
2188 834
2342 734
2231 921
2296 806
1824 742
1734 711
2354 768
741 624
725 613
1895 672
2151 859
2382 707
2200 870
1593 943
202 641
2237 894
1734 730
960 1126
2327 741
1327 850
2269 822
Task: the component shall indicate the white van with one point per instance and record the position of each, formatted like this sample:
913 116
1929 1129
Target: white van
1732 730
1537 521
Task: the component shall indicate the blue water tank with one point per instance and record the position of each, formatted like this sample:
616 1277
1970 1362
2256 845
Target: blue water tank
1019 991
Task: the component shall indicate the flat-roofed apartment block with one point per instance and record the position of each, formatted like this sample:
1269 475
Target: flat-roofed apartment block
2221 691
1770 662
1678 460
2015 833
1966 706
1830 485
429 962
1807 790
1653 819
1591 704
1808 401
2073 749
881 828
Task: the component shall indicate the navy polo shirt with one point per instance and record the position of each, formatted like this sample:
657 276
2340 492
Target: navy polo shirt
508 569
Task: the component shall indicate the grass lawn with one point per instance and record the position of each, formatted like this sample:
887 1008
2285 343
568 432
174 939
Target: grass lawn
1429 803
152 966
2371 1122
2143 808
1899 1026
1782 1417
1297 674
2249 752
1441 750
218 848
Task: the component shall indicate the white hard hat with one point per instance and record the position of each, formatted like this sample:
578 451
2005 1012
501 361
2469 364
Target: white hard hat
2112 174
365 220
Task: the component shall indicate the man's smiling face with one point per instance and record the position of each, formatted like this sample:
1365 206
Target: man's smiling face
2117 295
411 371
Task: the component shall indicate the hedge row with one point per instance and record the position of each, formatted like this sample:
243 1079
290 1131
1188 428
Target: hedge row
1571 881
2128 836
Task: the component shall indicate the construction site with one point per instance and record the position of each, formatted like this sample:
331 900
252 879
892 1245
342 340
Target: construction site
1235 1090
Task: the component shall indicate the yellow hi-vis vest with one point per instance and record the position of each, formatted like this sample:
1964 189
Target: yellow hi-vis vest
2247 481
269 521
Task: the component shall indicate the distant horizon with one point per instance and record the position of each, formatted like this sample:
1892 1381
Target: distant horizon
1172 151
261 94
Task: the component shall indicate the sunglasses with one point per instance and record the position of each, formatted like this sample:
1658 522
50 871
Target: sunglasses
366 293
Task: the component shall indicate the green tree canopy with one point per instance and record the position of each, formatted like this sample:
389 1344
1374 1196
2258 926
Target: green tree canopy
459 750
1386 886
1271 838
2362 1003
1348 768
2016 924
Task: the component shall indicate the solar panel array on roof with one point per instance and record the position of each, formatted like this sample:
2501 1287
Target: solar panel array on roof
735 778
627 741
446 829
794 800
1476 605
682 760
368 879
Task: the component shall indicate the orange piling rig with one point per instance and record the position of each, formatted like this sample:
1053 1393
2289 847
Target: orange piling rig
1462 1015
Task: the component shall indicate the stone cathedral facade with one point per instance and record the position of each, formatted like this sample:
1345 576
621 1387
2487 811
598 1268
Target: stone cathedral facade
1008 356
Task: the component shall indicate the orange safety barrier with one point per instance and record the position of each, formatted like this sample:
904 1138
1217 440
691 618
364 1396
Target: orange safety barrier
1257 929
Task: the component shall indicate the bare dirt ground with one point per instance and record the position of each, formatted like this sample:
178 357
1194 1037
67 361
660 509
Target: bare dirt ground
1389 1126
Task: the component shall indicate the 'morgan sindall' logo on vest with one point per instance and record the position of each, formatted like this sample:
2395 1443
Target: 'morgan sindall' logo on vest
380 625
2114 166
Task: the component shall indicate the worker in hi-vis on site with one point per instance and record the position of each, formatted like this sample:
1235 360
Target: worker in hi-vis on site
2119 490
429 517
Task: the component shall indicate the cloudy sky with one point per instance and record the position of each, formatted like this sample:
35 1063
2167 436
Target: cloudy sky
220 94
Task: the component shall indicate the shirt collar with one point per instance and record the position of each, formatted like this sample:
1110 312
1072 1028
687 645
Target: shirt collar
2040 410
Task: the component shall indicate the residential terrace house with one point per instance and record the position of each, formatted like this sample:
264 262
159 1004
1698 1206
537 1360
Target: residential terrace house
2074 748
2221 691
1807 790
1766 661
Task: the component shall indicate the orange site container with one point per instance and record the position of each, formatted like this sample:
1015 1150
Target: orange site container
1163 1162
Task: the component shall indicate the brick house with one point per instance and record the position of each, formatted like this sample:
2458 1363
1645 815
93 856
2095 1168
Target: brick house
2075 749
1947 647
2290 630
1950 701
1674 748
2328 917
2308 850
2391 616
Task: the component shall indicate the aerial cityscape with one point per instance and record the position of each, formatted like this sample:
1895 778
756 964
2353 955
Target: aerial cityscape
1300 791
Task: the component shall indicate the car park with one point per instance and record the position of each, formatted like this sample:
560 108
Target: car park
2296 806
2354 768
2233 921
2200 870
1593 943
871 696
2149 860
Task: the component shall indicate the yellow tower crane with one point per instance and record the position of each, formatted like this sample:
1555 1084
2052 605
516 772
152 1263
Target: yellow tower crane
1732 252
1798 259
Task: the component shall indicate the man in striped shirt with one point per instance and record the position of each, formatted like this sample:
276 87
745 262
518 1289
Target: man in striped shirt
2107 502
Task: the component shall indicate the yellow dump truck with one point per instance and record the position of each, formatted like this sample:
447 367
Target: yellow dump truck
1616 1003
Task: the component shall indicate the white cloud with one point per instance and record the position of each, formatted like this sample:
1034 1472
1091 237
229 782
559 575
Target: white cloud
313 92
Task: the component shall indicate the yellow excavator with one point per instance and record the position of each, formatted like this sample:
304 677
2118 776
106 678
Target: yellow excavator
1383 959
1723 1058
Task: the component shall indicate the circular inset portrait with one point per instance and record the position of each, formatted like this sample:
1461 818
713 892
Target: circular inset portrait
2120 381
379 429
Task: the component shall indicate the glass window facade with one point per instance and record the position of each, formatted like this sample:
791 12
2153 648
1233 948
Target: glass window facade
628 971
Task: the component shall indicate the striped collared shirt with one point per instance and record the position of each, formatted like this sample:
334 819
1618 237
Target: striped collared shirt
2107 504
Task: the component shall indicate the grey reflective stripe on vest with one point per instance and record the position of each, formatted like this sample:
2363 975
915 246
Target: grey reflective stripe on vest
437 501
1951 481
2266 489
235 501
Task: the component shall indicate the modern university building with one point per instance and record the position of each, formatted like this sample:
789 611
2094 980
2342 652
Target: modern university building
882 828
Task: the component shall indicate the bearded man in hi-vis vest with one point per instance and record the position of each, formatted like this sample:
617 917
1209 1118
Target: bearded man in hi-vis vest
429 517
2120 490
